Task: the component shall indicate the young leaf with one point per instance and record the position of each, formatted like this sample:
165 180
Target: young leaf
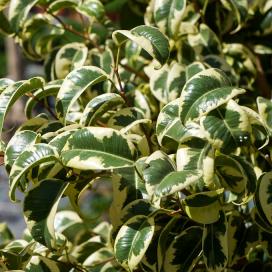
40 209
95 148
149 38
133 240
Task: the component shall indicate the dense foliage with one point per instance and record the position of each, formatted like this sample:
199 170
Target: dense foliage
173 115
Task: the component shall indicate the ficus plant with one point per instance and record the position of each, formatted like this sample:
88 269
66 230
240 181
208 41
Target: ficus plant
170 115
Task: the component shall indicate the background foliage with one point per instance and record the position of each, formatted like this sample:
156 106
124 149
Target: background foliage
168 119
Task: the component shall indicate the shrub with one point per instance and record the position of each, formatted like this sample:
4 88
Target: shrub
174 115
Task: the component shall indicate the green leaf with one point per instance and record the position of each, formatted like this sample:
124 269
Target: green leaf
33 156
9 96
40 209
74 85
169 128
61 4
149 38
215 245
228 127
95 148
133 240
177 181
184 251
18 11
166 84
204 208
263 196
205 92
5 234
17 144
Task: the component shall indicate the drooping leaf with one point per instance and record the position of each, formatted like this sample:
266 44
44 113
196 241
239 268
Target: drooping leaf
17 144
98 148
9 96
31 157
40 217
149 38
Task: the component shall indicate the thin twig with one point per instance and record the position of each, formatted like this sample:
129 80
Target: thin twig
138 74
42 104
116 72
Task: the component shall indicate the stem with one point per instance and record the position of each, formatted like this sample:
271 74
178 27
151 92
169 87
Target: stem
42 104
103 262
116 72
138 74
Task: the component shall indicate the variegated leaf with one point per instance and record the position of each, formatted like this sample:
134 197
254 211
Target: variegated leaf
98 106
166 84
9 96
265 111
95 148
74 85
193 69
40 217
70 56
195 153
18 11
133 240
17 144
125 117
91 8
263 196
228 127
31 157
149 38
215 244
61 4
185 251
156 167
205 92
168 15
203 208
4 83
177 181
237 176
169 128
